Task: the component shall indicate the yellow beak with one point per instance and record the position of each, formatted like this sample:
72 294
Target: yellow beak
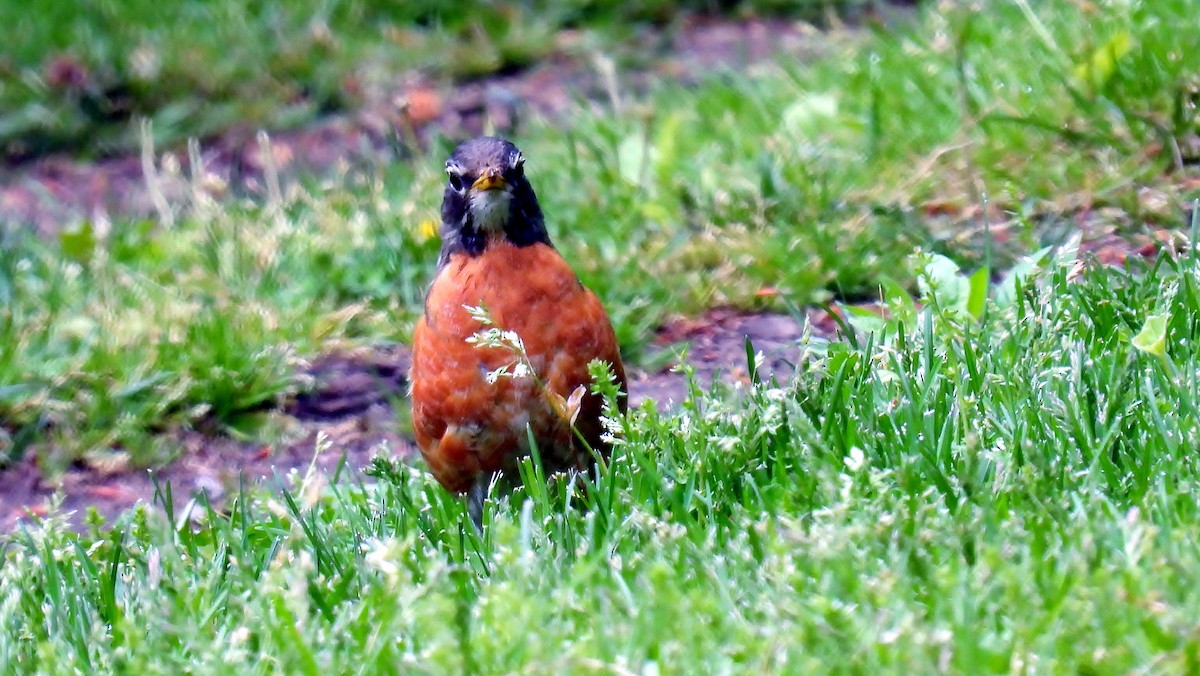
489 180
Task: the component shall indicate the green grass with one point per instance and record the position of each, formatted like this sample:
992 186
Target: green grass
797 177
982 487
75 76
976 496
144 329
813 179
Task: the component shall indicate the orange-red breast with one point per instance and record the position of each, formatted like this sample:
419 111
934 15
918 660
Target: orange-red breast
497 254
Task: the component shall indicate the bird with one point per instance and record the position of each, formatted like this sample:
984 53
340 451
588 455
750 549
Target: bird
497 264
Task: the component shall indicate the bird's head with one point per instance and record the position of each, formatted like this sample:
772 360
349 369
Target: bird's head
488 198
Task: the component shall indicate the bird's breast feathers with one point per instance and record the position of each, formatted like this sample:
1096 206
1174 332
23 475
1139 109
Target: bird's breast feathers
522 288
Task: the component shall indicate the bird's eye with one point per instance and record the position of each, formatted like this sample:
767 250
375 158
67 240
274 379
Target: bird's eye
455 181
518 163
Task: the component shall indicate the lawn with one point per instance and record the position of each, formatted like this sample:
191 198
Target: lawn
998 481
75 76
1011 492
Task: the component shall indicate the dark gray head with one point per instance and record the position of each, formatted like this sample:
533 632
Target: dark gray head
488 198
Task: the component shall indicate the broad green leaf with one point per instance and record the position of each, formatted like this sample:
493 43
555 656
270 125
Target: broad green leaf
864 320
1067 253
942 280
79 242
654 210
666 148
979 292
1006 290
633 157
78 327
1152 339
898 300
893 292
1098 69
810 115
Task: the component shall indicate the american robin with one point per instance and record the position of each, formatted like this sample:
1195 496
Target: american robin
471 426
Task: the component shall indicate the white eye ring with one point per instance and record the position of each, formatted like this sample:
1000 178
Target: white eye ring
518 161
455 174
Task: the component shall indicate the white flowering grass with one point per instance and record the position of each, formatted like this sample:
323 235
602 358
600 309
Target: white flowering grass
1017 494
1009 492
491 336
